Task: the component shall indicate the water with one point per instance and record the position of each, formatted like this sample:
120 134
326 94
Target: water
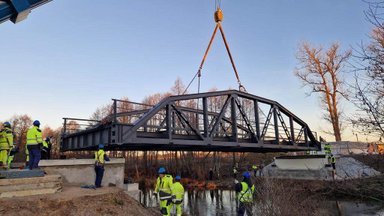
201 202
223 202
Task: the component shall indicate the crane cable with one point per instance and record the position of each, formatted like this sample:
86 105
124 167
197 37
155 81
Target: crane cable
218 18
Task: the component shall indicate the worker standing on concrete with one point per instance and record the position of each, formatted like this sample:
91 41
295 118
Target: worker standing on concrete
245 191
34 143
177 190
6 143
163 188
100 158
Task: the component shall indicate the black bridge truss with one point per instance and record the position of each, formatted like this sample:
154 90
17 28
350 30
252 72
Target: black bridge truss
228 121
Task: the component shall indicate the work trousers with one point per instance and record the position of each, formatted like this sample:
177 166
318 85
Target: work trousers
4 156
244 207
165 207
178 209
10 159
99 170
34 156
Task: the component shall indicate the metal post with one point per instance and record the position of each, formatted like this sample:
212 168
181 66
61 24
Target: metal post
257 119
233 119
114 110
205 117
169 121
292 130
276 122
65 126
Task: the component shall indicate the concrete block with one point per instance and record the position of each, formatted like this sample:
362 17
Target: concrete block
81 171
307 162
10 188
30 186
30 192
20 181
132 187
16 173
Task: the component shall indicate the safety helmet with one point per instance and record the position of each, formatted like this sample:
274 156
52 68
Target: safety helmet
162 170
246 174
101 146
7 124
177 178
36 123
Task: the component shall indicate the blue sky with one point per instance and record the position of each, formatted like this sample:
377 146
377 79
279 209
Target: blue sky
70 57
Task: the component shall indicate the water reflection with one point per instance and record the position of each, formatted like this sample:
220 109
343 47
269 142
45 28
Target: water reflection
223 202
200 202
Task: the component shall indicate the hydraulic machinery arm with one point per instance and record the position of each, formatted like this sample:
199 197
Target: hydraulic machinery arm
18 10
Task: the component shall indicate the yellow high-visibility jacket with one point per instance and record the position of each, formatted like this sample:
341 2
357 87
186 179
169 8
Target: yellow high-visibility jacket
99 157
34 136
6 139
246 193
163 187
178 191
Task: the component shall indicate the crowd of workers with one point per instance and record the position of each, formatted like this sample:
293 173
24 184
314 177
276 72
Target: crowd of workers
35 147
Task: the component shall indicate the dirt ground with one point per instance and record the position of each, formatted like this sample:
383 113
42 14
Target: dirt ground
76 201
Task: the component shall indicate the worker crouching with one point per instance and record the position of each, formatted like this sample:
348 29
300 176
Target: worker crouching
177 195
163 188
100 158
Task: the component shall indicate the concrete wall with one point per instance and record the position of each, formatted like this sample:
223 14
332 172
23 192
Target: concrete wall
301 163
81 171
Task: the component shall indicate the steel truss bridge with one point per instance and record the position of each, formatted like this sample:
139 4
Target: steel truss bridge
228 121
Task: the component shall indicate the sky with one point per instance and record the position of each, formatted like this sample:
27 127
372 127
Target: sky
70 57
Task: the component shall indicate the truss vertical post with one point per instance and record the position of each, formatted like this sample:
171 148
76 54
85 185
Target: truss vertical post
233 119
169 121
65 126
306 136
292 130
205 117
257 118
114 111
276 124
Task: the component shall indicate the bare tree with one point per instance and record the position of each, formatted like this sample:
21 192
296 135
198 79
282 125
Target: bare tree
320 70
369 76
102 112
20 125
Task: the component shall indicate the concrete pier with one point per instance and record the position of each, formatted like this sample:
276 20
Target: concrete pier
81 171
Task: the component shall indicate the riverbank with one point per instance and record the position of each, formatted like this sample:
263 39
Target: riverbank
76 201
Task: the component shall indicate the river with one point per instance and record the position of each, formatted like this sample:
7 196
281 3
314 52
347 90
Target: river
223 202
